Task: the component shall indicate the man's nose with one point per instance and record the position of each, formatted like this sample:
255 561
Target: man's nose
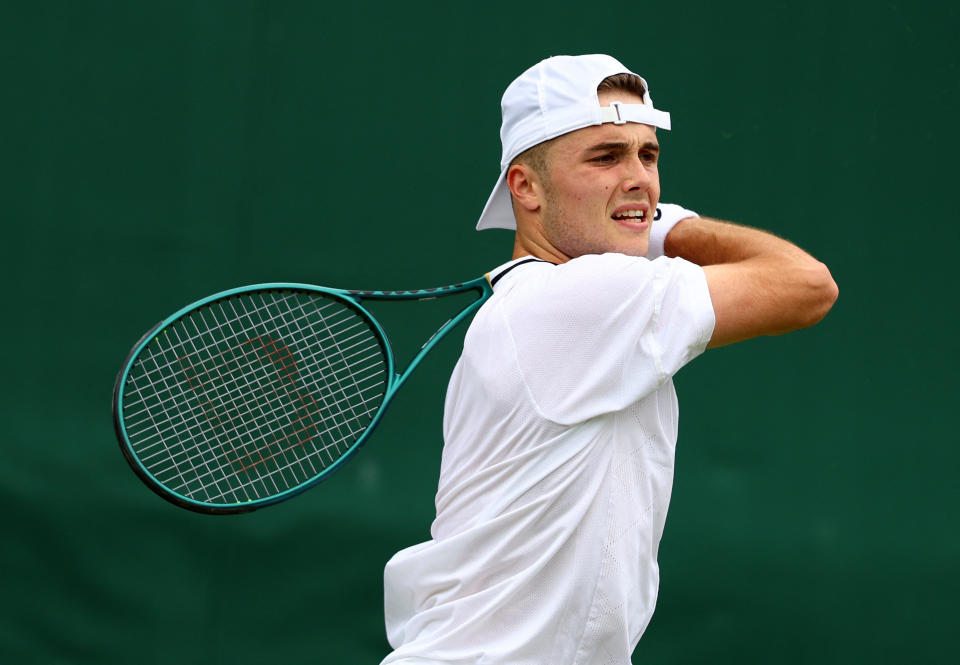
637 176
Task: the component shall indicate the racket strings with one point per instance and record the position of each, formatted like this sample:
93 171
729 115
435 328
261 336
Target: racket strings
305 414
304 422
275 408
335 443
225 436
167 369
252 453
172 397
254 394
220 328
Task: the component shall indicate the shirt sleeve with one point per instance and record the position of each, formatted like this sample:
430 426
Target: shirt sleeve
600 332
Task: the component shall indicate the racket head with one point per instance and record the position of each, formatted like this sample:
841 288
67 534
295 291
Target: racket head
251 396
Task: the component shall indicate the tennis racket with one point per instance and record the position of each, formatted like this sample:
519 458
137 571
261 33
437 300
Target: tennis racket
253 395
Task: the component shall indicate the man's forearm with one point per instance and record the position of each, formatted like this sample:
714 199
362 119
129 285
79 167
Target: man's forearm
760 284
708 242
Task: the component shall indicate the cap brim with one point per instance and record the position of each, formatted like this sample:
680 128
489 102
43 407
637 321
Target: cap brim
498 213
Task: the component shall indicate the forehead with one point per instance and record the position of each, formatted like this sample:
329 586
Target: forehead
631 133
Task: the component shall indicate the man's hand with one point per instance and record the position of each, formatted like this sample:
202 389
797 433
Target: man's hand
760 284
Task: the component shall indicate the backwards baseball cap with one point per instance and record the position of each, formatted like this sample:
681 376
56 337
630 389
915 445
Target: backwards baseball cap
556 96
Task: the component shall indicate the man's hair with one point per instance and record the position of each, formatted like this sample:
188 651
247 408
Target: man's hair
536 156
624 83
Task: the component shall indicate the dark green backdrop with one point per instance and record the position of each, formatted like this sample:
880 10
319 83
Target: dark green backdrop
153 153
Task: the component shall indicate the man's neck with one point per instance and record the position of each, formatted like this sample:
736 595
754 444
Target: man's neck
524 245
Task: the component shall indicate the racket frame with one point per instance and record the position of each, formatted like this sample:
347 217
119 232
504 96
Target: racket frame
352 299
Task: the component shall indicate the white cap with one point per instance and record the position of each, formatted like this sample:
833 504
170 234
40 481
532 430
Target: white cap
556 96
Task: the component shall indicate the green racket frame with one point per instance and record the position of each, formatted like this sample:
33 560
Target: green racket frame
354 300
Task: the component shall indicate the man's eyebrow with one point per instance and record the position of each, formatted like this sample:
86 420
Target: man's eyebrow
621 146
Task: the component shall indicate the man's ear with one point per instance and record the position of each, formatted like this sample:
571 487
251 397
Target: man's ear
525 186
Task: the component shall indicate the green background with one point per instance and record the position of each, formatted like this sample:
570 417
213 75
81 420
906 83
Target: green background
153 153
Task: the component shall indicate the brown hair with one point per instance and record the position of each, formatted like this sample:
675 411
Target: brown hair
624 83
536 156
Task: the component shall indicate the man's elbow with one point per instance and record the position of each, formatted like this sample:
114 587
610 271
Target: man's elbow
822 293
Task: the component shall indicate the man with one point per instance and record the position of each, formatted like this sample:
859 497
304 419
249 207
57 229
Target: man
561 417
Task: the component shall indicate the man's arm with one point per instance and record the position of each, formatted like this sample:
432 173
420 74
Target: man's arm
760 284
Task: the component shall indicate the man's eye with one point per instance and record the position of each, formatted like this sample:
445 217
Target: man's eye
648 157
604 158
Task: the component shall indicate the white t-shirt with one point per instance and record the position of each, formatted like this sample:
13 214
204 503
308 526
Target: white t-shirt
559 436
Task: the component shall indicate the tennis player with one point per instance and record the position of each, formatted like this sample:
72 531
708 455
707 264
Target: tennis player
561 416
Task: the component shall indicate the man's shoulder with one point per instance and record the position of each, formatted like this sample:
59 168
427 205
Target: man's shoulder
580 289
590 275
604 271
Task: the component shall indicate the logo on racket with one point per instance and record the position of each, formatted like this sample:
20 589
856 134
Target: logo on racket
285 416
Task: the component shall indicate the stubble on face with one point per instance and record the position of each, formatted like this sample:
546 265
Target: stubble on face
566 232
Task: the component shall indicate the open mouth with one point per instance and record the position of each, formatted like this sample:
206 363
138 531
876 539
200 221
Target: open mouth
630 216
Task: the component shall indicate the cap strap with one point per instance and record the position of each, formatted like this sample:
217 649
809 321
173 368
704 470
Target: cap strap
620 114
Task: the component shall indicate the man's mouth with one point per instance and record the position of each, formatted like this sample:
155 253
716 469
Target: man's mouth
630 215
